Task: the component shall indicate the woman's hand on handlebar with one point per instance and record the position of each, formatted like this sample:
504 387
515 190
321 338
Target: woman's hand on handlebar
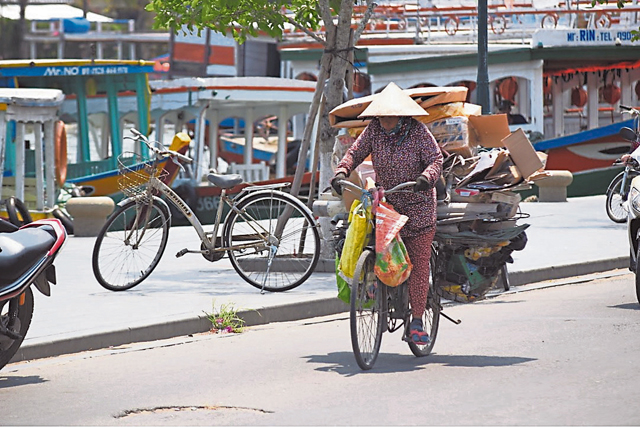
336 183
422 184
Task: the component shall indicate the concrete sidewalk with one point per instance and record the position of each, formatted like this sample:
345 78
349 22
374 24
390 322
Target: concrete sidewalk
565 239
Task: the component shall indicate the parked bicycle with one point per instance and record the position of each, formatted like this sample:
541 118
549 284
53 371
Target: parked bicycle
618 190
271 237
376 307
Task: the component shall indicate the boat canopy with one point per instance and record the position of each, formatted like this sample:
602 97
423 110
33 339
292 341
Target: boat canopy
91 87
212 100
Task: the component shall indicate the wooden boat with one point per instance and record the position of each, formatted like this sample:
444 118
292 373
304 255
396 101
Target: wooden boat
102 98
202 104
589 155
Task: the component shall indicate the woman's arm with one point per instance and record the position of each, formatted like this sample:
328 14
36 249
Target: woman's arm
358 151
430 155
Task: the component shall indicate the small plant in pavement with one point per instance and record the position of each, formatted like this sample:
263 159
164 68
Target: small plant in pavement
225 319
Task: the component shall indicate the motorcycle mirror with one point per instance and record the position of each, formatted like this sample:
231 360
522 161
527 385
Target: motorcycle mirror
628 134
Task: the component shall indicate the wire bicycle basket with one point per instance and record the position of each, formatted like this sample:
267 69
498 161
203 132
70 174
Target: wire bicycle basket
135 174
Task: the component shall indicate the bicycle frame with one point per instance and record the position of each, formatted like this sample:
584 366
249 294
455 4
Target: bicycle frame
157 186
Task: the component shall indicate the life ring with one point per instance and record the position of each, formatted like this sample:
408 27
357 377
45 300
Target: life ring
60 152
498 24
603 20
451 25
15 206
550 20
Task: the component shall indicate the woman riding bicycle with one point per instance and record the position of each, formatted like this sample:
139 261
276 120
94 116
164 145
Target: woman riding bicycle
402 149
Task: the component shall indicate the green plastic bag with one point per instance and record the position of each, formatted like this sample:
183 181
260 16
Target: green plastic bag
344 291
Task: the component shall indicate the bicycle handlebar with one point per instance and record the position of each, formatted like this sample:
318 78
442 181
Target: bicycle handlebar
398 187
631 110
163 153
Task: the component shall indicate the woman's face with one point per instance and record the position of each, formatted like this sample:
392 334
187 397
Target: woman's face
388 122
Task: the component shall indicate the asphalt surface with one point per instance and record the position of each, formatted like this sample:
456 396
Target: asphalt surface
564 240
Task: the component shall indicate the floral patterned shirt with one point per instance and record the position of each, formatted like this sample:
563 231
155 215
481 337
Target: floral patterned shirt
400 157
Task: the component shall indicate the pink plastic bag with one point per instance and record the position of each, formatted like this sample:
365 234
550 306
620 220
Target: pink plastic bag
388 225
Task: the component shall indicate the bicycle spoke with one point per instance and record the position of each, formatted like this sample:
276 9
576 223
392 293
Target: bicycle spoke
250 252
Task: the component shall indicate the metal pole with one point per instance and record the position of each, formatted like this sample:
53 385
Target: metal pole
483 69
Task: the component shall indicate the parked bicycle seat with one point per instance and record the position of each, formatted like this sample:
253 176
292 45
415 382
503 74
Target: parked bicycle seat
224 181
19 249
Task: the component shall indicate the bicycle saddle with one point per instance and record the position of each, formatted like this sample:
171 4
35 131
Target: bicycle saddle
224 181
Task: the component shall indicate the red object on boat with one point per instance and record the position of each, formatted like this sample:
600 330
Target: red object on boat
578 97
611 93
547 83
508 88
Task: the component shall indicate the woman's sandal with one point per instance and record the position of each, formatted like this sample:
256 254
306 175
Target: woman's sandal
417 333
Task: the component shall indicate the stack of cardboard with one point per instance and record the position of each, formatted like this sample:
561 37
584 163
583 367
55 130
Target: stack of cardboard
484 161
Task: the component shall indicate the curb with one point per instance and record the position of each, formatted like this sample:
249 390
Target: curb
563 271
281 313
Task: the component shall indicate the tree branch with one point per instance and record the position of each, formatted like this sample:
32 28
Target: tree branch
306 30
365 18
325 12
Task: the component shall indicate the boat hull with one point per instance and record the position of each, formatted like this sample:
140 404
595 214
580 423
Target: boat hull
589 155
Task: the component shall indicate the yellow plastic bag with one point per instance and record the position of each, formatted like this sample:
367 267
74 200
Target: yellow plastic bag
360 228
393 265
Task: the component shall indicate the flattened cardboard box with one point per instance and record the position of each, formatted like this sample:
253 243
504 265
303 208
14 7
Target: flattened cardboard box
489 131
522 153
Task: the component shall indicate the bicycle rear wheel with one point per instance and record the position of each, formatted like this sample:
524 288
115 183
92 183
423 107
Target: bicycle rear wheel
130 245
615 203
271 253
368 311
431 316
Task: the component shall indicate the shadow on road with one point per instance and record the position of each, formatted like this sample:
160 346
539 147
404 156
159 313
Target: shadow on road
627 306
6 382
344 363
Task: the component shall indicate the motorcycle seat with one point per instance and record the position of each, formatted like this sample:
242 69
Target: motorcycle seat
20 251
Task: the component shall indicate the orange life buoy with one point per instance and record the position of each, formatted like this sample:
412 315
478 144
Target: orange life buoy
578 97
508 88
60 151
611 93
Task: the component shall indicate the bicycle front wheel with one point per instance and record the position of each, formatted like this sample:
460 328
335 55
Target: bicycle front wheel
368 311
431 316
273 241
130 245
615 204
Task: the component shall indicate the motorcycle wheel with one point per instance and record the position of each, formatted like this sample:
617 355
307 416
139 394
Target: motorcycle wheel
637 271
20 324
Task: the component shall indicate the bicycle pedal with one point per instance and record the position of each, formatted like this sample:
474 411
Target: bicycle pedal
182 252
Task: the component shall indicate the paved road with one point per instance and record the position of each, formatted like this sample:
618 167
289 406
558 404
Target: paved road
565 239
565 355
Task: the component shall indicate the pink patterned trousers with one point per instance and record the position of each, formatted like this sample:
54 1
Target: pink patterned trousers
419 250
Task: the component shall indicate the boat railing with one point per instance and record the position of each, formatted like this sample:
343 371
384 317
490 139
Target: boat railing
518 21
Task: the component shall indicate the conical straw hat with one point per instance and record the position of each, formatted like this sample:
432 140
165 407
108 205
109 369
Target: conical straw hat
392 101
